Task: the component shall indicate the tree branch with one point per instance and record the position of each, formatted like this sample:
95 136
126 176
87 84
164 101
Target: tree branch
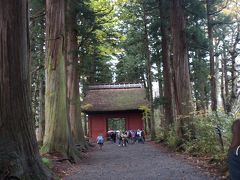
38 15
218 11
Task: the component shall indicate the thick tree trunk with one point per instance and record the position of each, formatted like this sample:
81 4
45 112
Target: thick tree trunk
149 74
19 154
211 56
182 89
167 71
73 79
57 136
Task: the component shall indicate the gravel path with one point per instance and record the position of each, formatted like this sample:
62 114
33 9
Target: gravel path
136 162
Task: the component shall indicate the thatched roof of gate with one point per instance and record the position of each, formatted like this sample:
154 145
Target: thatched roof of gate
114 99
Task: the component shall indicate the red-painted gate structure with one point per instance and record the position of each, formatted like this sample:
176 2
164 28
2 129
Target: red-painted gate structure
104 102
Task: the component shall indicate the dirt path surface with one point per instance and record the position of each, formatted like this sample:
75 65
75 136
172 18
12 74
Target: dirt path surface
136 162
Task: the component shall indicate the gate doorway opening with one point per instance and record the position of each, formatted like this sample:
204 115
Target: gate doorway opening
116 124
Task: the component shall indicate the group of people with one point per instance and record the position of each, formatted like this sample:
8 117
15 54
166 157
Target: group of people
126 137
122 137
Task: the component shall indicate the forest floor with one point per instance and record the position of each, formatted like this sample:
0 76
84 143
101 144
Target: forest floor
147 161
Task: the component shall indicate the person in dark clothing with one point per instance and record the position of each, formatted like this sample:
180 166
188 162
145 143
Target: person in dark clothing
111 136
143 136
114 136
234 152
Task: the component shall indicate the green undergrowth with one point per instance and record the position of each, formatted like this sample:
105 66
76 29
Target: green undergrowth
47 162
209 129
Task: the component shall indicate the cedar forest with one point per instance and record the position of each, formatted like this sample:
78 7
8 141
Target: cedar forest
51 49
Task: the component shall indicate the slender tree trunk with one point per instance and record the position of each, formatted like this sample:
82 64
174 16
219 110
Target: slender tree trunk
85 125
211 55
58 136
41 123
34 94
223 95
164 6
149 74
218 83
201 97
160 83
19 154
182 89
234 73
73 79
226 78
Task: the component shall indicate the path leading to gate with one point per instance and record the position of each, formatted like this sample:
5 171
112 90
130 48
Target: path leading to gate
136 162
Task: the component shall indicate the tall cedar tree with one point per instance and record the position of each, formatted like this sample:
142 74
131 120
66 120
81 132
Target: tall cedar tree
181 82
148 72
19 154
211 56
57 136
73 75
169 113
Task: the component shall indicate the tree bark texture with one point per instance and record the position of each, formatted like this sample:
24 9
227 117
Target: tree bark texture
201 96
57 136
222 87
181 81
225 82
19 156
234 72
73 79
211 56
149 74
167 71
